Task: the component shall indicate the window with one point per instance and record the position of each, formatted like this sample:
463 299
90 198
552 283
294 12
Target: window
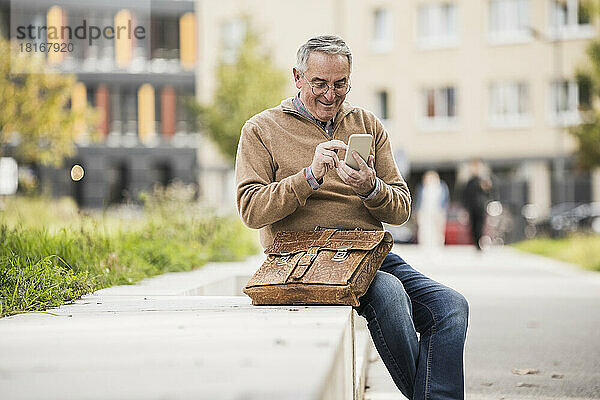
4 21
39 20
382 105
437 25
80 48
509 105
438 110
565 99
116 121
164 37
509 21
106 53
91 96
382 31
585 86
99 56
129 111
184 120
570 19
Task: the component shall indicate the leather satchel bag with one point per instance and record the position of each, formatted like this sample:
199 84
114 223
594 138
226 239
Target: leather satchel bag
330 266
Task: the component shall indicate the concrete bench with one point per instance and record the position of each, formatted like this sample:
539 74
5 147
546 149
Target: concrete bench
184 335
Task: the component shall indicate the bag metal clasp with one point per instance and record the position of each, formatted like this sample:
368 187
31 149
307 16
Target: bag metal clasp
341 254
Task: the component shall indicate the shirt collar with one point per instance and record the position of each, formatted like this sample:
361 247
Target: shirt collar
302 109
287 105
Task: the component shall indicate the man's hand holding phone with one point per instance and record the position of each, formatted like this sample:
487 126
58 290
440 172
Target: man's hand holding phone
362 181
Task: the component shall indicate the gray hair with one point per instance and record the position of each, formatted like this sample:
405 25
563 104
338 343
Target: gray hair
330 44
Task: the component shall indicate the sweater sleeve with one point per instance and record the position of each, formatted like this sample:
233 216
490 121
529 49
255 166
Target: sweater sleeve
393 202
261 200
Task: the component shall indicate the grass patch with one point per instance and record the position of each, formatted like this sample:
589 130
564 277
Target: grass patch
583 250
49 259
30 285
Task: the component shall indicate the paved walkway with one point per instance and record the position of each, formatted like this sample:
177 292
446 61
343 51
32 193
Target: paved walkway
534 324
534 334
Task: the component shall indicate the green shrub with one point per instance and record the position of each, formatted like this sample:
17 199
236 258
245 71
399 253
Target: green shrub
42 268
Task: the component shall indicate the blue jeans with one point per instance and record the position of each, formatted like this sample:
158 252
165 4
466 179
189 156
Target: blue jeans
401 302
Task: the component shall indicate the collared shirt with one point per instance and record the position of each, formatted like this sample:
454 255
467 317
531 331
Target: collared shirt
327 128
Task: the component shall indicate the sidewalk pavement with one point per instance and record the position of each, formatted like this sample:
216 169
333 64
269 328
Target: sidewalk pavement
533 334
534 326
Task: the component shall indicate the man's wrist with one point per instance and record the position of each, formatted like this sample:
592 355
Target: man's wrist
311 179
372 193
369 192
320 179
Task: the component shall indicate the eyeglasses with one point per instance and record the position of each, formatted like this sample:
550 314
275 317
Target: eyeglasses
321 88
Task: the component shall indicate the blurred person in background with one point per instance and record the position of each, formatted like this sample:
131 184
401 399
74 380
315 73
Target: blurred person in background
290 176
431 208
476 195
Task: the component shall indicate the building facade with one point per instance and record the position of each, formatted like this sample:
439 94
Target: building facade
452 80
137 87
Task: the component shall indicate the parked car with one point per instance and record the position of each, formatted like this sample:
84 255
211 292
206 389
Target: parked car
570 217
458 228
498 223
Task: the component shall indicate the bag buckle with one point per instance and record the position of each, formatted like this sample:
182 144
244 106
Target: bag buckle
341 254
285 256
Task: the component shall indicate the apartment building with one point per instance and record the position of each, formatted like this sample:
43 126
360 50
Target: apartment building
452 80
138 87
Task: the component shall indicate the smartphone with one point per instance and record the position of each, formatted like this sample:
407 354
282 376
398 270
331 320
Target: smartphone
361 142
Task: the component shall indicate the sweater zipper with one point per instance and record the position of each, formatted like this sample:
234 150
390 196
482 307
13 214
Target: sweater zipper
335 126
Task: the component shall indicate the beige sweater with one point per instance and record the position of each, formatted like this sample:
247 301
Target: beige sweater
273 194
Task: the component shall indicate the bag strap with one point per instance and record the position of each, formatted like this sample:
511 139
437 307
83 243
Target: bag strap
324 238
307 258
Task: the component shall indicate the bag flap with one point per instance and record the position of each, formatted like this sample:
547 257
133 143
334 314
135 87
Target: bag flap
292 242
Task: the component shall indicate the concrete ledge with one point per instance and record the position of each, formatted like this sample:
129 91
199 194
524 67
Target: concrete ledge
213 278
152 341
363 348
175 347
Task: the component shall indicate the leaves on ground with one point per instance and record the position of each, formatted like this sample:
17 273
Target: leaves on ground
528 385
526 371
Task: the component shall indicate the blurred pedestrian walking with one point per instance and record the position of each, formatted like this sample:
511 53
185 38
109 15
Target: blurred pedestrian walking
431 208
476 196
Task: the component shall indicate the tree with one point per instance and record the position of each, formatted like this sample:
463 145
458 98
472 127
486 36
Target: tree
247 86
587 133
35 113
